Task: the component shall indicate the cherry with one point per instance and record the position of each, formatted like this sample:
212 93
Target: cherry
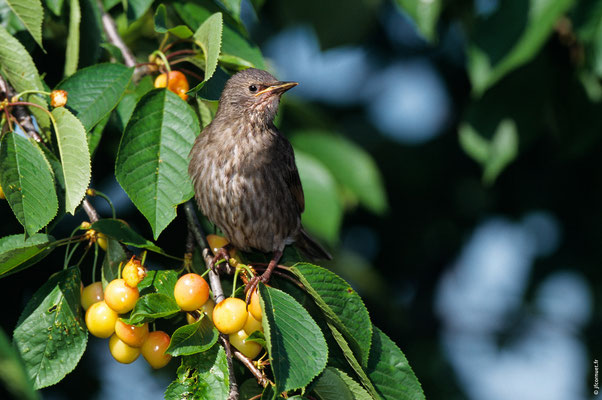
131 335
102 241
252 324
246 347
100 319
230 315
177 83
121 351
121 297
191 292
254 306
153 349
91 294
133 272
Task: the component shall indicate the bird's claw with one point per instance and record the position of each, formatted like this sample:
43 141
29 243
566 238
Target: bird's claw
221 254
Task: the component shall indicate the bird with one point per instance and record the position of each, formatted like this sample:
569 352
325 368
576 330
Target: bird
244 174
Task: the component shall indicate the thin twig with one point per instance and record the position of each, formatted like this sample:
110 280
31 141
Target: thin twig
261 378
233 395
110 29
90 211
23 117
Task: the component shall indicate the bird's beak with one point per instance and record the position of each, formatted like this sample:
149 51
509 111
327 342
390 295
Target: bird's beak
278 88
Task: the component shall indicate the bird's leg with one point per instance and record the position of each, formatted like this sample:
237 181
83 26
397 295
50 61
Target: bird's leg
265 277
221 254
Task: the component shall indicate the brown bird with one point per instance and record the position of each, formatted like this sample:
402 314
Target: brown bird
244 173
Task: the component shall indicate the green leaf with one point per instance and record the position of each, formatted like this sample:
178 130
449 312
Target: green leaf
334 384
113 258
31 14
119 230
152 306
163 281
510 37
95 134
193 338
212 89
181 31
27 180
72 52
128 102
50 334
493 155
209 38
352 360
93 92
152 161
13 373
201 376
341 305
233 7
390 372
349 164
56 6
17 251
75 156
425 15
233 43
298 351
137 8
323 207
17 66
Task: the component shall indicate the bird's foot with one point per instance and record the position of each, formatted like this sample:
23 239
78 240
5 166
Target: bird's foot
221 254
265 277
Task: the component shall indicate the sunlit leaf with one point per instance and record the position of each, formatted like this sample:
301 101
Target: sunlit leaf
13 373
424 13
510 37
27 181
390 372
297 348
340 304
75 156
334 384
31 14
152 306
201 376
349 164
152 161
209 38
95 91
323 213
18 252
119 230
193 338
72 52
50 333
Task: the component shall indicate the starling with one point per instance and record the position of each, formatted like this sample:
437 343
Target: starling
244 173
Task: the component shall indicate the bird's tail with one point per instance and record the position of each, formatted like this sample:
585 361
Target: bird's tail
310 247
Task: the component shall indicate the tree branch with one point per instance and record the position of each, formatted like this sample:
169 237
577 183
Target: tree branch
19 112
110 29
261 378
90 211
233 385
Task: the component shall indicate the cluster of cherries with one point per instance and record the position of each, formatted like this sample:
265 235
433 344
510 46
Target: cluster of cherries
191 292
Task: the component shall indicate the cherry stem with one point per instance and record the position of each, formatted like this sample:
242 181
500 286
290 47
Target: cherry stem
95 261
16 97
94 192
193 74
180 52
234 282
164 59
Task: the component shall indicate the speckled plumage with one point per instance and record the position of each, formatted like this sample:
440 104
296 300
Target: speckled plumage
243 169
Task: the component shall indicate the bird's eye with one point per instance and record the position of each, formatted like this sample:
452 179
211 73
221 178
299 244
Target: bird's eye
253 88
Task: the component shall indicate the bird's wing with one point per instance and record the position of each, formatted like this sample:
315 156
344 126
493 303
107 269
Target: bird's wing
291 174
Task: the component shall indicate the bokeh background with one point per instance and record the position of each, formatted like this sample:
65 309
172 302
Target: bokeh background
452 157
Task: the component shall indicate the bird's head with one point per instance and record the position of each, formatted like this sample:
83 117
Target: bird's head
255 93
